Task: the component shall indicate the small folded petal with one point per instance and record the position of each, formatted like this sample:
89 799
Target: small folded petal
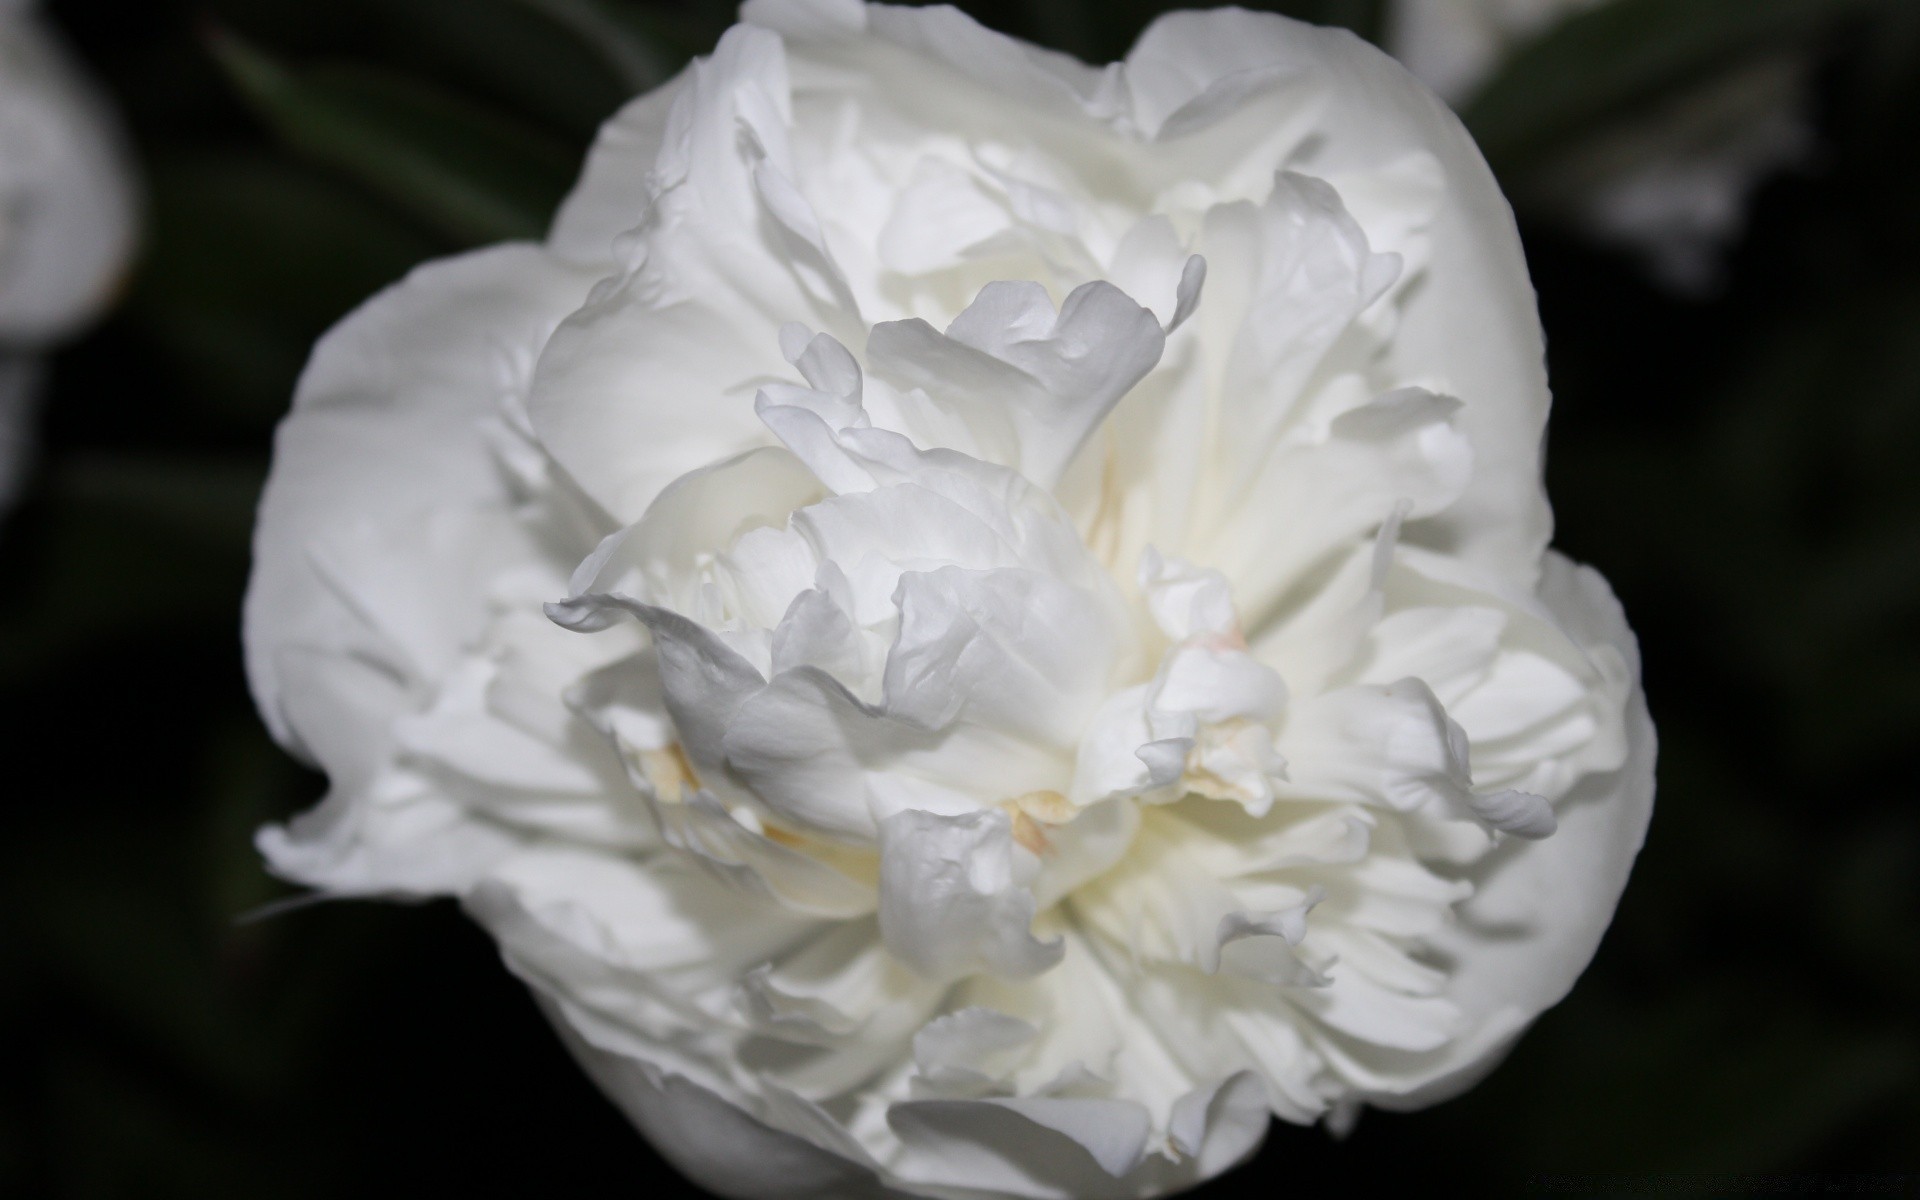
1036 1147
1519 813
1051 377
949 904
968 1053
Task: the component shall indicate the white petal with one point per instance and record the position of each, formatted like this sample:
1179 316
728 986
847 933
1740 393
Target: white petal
823 761
1217 685
387 422
1562 891
1064 1149
1012 650
378 831
615 187
1519 813
752 863
1293 275
1021 73
1112 758
1450 648
1187 601
948 903
1053 376
660 557
1472 329
718 1145
578 928
1401 449
965 1053
656 375
1376 745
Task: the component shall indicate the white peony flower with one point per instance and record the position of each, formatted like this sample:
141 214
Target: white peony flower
974 625
67 214
1672 183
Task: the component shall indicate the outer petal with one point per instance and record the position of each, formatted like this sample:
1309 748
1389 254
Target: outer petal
1562 890
389 420
1026 74
713 1143
656 375
1471 330
614 190
1074 1149
371 835
610 949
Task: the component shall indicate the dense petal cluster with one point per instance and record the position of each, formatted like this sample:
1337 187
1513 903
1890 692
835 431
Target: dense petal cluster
973 625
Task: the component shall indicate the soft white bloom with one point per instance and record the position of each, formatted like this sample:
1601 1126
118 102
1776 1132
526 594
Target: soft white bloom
66 193
1671 183
66 212
1454 46
974 625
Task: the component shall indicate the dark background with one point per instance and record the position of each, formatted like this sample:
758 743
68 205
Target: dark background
1744 465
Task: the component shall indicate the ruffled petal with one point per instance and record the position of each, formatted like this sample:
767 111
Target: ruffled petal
1561 892
1471 330
390 420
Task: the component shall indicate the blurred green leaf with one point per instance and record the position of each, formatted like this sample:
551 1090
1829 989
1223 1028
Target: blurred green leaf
201 501
1613 60
1875 891
253 257
129 544
614 33
141 1141
471 174
1891 53
1711 1074
566 76
1816 568
249 781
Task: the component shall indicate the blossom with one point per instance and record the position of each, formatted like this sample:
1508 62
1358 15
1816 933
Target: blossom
1671 183
972 625
66 194
66 212
1454 46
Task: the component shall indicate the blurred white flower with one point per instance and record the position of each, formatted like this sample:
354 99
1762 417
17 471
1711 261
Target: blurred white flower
67 201
1671 183
974 625
1454 46
67 212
